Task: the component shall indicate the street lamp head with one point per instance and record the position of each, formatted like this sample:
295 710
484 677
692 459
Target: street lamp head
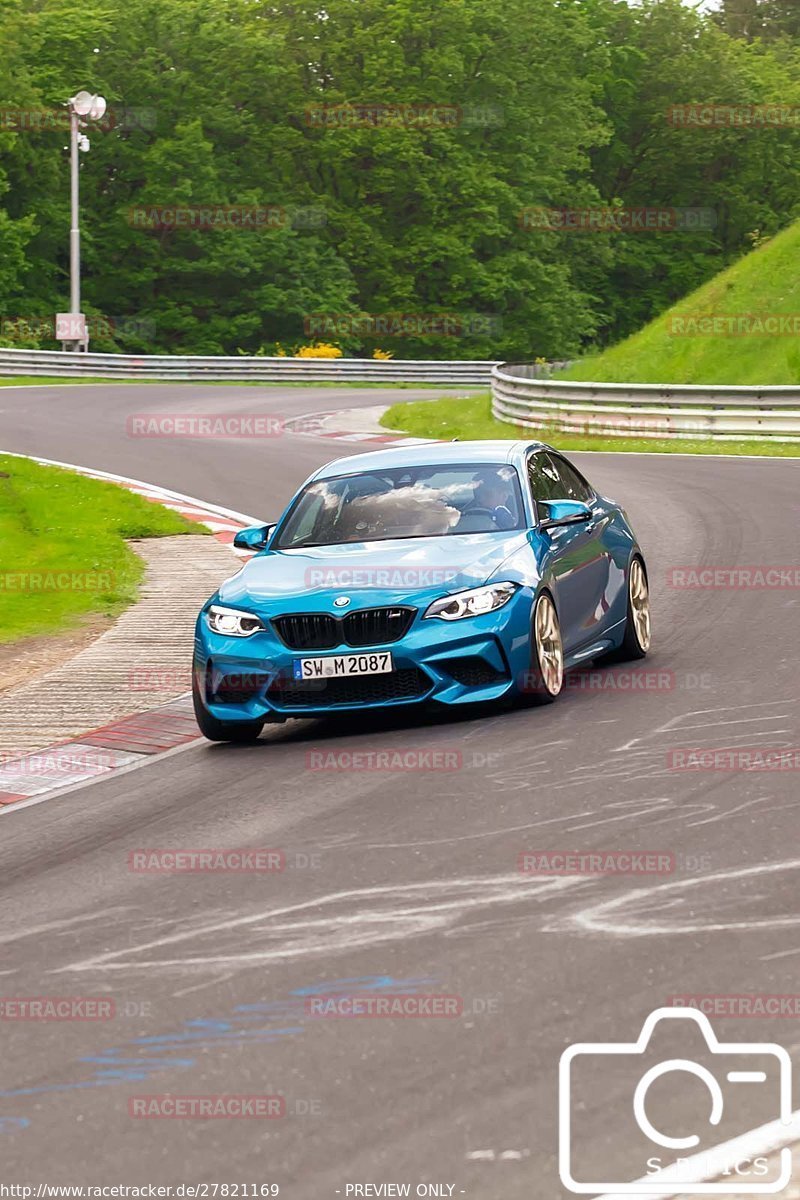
85 104
82 103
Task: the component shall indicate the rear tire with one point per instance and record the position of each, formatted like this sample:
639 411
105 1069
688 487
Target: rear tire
545 680
636 641
221 731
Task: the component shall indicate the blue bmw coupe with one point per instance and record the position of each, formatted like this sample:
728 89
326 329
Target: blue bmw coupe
447 573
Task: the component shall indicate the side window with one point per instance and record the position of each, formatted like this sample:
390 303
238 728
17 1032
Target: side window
306 515
544 481
572 485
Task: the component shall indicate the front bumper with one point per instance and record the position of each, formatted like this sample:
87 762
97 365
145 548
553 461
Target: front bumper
450 662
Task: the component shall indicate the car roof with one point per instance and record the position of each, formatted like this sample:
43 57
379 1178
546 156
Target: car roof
419 454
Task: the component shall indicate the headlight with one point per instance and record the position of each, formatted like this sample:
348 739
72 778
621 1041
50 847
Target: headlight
232 622
472 603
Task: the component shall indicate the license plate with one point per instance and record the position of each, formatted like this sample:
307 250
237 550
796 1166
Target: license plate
334 667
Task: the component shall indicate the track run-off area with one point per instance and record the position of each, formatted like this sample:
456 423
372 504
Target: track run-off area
407 881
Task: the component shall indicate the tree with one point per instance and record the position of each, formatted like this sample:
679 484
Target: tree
461 115
664 55
769 19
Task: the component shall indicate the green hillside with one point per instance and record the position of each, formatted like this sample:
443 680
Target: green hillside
694 343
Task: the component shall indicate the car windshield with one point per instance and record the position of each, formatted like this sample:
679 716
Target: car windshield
404 502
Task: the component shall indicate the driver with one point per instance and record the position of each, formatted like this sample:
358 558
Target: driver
493 493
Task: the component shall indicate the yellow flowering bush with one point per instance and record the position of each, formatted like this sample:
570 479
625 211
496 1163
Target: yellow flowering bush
318 350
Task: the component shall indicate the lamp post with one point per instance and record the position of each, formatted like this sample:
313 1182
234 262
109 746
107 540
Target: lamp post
71 326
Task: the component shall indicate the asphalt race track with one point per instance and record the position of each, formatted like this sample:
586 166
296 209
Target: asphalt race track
407 881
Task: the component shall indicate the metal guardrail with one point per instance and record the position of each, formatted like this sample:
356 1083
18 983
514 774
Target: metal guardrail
520 395
643 410
240 367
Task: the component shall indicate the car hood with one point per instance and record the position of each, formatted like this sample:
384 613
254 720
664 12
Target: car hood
391 572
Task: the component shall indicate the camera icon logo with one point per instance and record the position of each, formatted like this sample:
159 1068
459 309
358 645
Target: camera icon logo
691 1164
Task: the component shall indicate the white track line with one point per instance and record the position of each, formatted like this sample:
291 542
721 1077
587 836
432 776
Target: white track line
147 759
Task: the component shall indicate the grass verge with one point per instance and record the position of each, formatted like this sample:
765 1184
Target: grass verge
471 420
739 328
63 547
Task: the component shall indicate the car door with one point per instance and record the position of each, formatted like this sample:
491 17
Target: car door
575 556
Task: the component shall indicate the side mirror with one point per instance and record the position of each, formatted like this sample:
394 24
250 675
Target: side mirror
254 538
554 513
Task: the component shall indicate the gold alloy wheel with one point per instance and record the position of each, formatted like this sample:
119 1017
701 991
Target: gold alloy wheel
640 603
549 649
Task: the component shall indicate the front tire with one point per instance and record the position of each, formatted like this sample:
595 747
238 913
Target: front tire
546 675
221 731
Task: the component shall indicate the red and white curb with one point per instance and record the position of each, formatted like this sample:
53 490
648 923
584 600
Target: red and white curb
224 523
98 754
316 425
29 778
129 741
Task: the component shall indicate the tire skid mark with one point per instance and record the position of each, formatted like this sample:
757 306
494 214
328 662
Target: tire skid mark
338 922
638 912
